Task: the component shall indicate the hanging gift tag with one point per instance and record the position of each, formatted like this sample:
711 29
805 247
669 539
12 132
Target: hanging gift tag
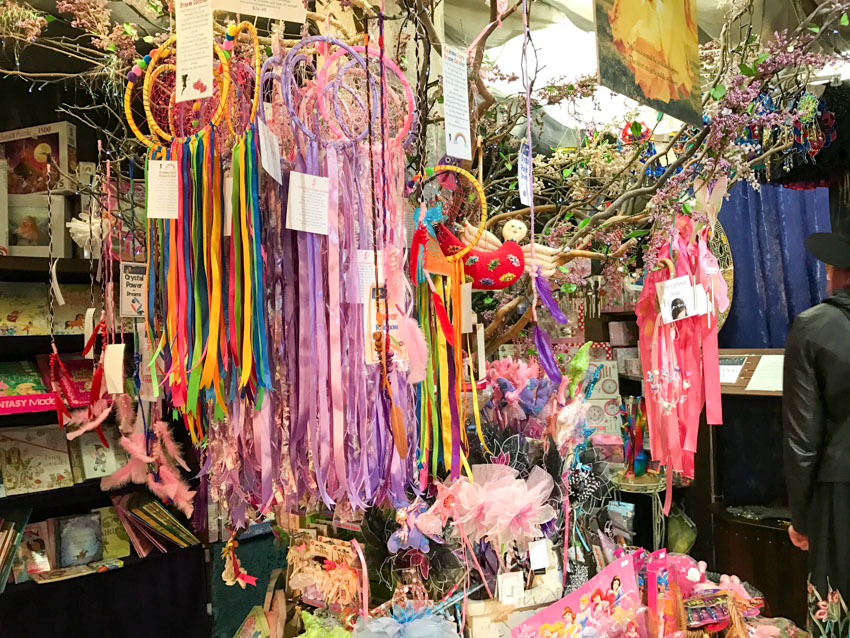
381 316
113 368
54 283
132 289
288 10
700 300
511 587
523 175
88 328
366 273
466 308
270 152
307 203
456 103
194 73
482 360
145 378
161 182
538 555
676 299
228 204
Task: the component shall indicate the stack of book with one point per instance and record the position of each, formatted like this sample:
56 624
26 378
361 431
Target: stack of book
38 458
71 546
60 548
12 527
150 525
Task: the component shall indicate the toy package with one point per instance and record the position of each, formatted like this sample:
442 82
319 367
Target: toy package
606 605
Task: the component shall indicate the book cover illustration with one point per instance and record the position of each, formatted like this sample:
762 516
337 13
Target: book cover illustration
116 542
79 539
22 388
23 309
33 555
69 318
92 459
34 459
76 385
610 596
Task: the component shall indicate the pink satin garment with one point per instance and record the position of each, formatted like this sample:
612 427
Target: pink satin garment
675 346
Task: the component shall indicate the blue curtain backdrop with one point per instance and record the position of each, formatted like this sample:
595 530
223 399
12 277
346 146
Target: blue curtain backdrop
775 277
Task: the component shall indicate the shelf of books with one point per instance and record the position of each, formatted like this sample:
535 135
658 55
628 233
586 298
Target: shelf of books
103 539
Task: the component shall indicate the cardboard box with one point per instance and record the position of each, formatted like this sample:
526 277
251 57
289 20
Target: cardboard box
603 415
633 368
28 222
608 384
27 150
623 333
622 354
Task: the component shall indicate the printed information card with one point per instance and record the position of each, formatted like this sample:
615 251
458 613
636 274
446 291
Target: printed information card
195 50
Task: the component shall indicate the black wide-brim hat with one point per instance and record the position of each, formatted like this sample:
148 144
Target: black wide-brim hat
830 248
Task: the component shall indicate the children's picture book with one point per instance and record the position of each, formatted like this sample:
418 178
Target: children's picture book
152 514
75 386
34 552
90 458
116 542
69 319
22 388
12 526
62 573
79 539
34 459
23 309
609 598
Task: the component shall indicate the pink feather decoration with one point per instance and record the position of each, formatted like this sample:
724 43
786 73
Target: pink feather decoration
136 469
80 418
417 351
171 486
163 433
126 416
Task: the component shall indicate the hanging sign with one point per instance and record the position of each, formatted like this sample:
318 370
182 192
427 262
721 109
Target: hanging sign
651 54
456 103
524 175
194 50
307 203
288 10
132 289
162 198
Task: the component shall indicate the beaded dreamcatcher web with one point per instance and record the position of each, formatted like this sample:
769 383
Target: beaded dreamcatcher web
155 115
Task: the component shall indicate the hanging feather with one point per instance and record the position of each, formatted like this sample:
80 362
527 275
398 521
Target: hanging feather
168 484
136 468
545 293
399 431
80 423
417 351
546 356
125 414
163 433
442 315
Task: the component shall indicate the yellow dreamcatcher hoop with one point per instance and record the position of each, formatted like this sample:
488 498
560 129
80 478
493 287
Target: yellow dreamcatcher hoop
151 72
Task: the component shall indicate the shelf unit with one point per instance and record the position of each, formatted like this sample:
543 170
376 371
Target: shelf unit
174 583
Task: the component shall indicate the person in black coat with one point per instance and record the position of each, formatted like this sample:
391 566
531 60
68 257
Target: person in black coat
816 416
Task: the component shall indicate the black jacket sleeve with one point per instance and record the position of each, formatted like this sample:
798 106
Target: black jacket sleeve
803 418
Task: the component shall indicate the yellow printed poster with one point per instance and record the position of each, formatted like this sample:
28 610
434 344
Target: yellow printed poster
649 51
